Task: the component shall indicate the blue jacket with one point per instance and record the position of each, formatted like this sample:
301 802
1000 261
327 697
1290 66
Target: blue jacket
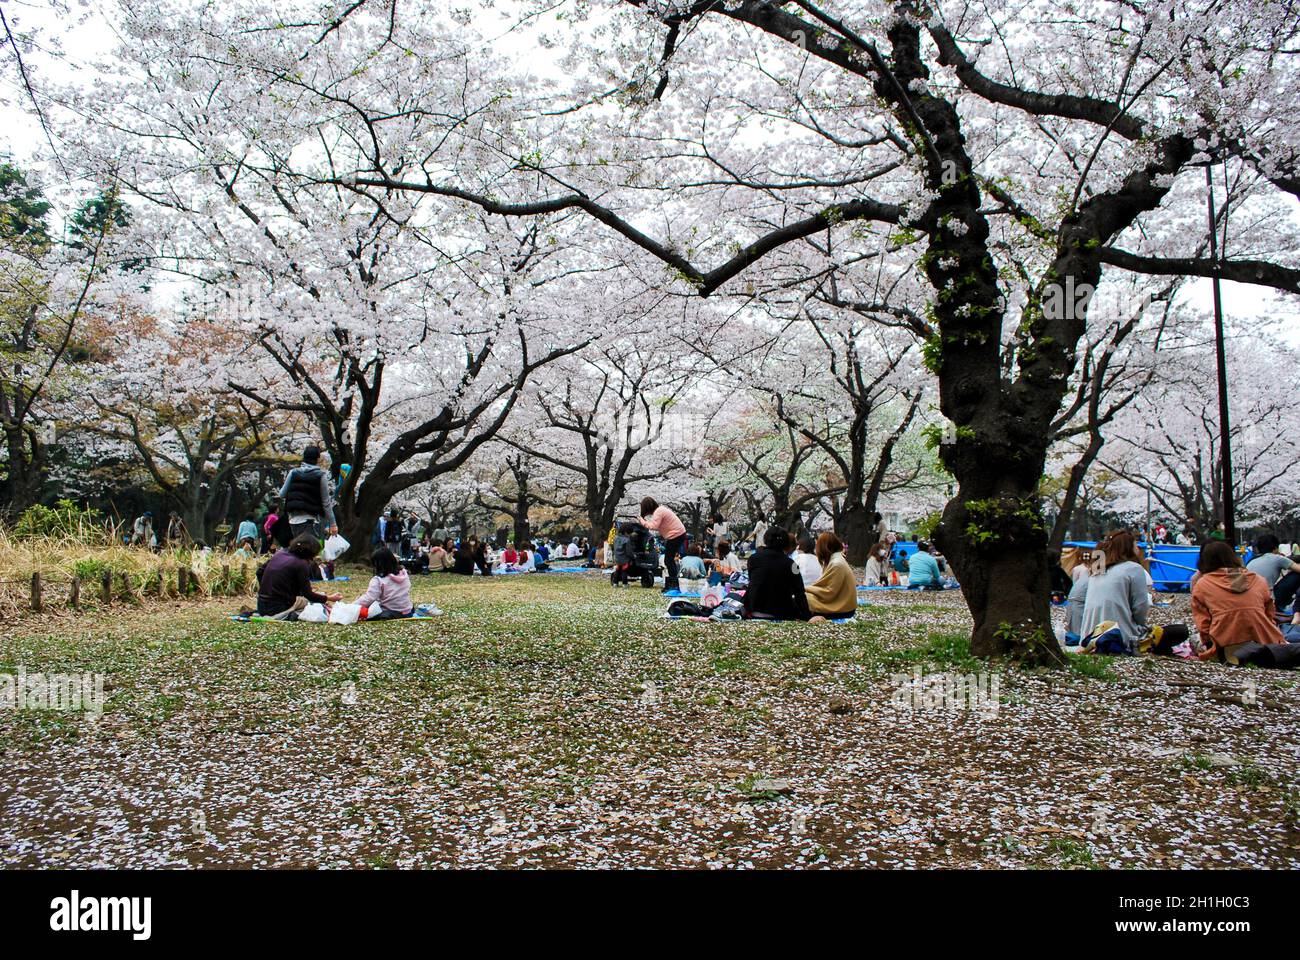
923 570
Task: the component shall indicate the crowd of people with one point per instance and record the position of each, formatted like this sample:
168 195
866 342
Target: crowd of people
1244 610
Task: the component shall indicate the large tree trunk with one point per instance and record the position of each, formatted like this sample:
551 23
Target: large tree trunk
1005 585
357 525
853 526
993 535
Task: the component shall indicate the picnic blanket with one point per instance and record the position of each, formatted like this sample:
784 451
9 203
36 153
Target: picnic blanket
669 616
330 579
954 586
258 618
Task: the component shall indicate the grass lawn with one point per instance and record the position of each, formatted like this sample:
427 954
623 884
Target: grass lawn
549 720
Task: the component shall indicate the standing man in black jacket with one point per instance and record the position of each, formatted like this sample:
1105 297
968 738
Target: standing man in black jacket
307 497
775 590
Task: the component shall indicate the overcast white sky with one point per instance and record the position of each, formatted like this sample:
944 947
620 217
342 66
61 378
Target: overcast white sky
86 42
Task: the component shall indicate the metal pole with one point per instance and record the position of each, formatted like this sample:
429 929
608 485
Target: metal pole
1225 443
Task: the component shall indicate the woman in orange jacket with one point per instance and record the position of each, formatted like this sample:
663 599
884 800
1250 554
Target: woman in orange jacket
1231 605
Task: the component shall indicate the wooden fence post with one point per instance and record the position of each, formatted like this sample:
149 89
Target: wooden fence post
225 579
74 593
127 592
182 580
106 586
161 588
36 592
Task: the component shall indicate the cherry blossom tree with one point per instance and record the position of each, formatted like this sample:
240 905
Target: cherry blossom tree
1166 442
953 132
382 184
158 392
614 417
406 333
48 292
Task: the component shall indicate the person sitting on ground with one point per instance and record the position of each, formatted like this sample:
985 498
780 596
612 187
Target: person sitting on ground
775 589
940 559
479 551
247 549
416 560
1117 593
835 593
527 562
692 565
509 558
1291 631
285 580
1076 600
898 558
1231 605
877 572
1281 573
247 530
442 557
463 561
388 596
725 566
810 569
543 554
923 569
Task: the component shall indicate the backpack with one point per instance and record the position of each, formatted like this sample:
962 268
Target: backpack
685 608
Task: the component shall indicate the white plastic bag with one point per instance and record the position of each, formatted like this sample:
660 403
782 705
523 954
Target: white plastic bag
335 547
345 613
712 596
314 613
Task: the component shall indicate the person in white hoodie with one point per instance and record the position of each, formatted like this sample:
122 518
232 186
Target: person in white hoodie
878 570
810 568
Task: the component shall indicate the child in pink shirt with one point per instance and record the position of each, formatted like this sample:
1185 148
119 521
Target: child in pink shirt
388 597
